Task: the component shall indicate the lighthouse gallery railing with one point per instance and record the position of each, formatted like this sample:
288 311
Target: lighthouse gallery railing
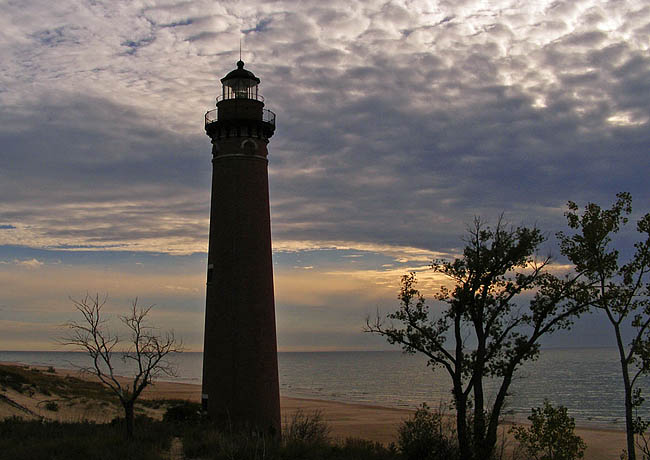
213 115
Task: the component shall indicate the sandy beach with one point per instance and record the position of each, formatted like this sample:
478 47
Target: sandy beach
374 423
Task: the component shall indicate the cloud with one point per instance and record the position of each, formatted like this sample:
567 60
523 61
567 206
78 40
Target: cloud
31 263
398 121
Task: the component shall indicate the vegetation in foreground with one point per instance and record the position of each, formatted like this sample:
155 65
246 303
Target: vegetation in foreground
38 440
550 436
428 435
305 437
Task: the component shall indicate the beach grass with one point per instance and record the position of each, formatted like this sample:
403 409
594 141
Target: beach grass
38 440
208 442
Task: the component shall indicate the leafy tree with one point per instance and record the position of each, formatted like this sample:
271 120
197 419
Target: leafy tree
491 332
147 349
621 290
551 435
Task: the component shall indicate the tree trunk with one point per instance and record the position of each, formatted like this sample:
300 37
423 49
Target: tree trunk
629 419
464 444
489 439
460 398
629 428
479 415
129 418
481 444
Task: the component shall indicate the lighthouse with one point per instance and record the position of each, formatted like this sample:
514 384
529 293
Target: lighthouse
240 364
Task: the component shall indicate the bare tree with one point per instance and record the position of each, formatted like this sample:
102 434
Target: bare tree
147 349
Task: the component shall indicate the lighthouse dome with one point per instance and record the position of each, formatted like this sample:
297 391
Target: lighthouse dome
240 74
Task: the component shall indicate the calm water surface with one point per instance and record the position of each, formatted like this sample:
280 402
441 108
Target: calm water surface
587 381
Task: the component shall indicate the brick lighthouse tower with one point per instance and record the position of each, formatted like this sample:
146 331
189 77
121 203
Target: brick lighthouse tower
240 367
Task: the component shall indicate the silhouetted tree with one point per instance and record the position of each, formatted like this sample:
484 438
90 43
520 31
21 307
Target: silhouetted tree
622 291
147 349
491 332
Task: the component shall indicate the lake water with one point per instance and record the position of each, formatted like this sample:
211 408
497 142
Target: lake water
587 380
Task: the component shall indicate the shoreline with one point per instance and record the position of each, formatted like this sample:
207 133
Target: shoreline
192 391
316 377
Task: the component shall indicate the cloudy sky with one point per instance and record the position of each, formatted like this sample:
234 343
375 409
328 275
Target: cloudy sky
398 122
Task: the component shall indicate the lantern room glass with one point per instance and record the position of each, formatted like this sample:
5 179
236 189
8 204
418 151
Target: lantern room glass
240 88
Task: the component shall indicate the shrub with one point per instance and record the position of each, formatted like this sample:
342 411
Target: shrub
208 442
12 377
308 429
51 370
362 449
185 412
426 436
551 435
145 420
51 406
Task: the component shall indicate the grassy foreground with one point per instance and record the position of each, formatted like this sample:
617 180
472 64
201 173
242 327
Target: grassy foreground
37 440
304 437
